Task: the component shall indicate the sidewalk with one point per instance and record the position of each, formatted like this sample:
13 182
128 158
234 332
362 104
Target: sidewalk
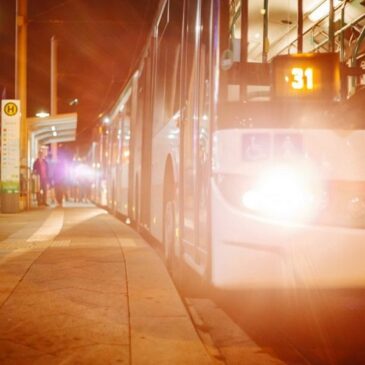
79 287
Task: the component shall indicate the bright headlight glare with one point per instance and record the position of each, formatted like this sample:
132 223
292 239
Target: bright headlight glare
283 193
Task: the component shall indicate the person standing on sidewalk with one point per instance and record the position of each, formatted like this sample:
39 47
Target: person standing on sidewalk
40 168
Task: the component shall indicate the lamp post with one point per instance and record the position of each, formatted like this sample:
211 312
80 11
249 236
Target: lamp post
54 78
21 94
21 69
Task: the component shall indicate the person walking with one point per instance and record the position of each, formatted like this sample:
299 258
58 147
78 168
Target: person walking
40 169
51 167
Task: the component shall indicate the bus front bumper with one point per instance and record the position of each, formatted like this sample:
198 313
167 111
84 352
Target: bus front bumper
249 252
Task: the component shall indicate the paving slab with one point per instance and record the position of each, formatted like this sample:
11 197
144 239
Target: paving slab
77 286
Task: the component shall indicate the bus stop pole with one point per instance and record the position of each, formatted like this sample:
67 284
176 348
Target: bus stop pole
54 77
13 202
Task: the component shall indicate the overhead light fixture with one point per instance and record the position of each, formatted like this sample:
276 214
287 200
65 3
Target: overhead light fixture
42 114
106 120
54 134
322 10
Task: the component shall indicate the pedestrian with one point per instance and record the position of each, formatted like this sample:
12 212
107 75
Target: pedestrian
51 166
59 178
40 169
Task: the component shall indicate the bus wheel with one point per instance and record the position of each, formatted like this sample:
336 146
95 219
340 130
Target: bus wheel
171 246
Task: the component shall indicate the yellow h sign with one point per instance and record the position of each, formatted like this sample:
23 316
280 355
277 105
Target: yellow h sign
10 109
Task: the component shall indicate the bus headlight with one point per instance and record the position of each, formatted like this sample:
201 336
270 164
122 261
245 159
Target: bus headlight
284 193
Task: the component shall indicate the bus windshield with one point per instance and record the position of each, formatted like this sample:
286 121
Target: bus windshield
272 114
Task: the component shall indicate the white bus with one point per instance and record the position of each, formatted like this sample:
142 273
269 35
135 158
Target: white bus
242 153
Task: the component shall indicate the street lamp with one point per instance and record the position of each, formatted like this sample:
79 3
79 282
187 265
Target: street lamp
74 102
42 114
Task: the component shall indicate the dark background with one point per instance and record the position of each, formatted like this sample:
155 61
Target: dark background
7 48
98 45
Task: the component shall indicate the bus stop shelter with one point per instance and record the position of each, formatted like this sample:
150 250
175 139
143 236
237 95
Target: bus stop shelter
52 130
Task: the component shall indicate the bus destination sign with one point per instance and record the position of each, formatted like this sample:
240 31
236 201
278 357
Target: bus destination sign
306 76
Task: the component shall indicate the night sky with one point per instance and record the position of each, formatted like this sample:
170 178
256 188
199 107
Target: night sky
7 48
98 44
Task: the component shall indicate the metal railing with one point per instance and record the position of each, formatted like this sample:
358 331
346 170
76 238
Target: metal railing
341 32
338 35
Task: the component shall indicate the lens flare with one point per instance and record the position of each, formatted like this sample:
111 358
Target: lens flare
284 193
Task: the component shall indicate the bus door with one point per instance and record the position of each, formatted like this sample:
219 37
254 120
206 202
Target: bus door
196 133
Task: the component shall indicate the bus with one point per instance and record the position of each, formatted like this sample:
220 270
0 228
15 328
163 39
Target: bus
237 143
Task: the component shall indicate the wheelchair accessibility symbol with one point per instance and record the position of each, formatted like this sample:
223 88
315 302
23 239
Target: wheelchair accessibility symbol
256 146
10 109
